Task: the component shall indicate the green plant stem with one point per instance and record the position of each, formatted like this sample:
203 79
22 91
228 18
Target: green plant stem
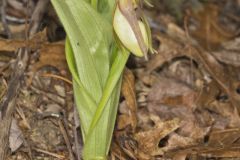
94 4
114 75
70 59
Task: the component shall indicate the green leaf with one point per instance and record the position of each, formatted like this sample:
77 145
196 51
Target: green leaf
106 8
114 75
96 66
85 29
107 102
86 104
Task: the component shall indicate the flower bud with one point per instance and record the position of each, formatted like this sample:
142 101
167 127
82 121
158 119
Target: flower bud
131 32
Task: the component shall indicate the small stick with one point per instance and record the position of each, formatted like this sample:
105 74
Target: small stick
22 115
66 138
57 77
7 107
37 16
49 153
4 21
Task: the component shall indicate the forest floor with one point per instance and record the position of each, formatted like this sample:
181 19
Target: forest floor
181 104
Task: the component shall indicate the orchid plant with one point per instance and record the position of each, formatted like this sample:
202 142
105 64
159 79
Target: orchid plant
100 36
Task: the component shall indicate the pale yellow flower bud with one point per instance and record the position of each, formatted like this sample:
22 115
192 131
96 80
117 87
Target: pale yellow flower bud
124 25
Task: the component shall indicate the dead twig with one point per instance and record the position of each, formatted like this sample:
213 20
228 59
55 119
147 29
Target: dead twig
22 115
3 18
57 77
20 7
66 139
56 98
37 16
7 107
49 153
219 74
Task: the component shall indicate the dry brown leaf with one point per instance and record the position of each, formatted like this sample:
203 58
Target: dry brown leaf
225 81
232 152
123 121
208 63
193 130
116 152
180 156
183 70
145 122
186 100
16 137
35 43
52 54
209 32
148 141
11 45
127 144
169 99
176 141
224 137
225 109
222 114
17 31
230 53
170 91
128 91
167 50
205 151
